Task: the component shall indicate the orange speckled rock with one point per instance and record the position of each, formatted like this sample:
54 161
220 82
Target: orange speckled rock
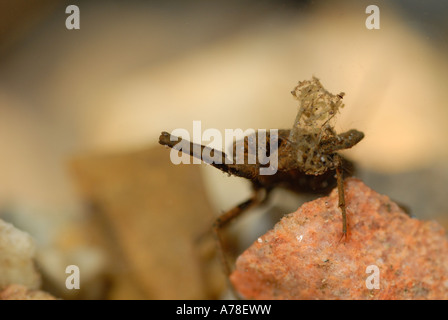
302 257
20 292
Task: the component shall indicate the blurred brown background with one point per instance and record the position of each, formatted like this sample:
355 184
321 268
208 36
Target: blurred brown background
81 111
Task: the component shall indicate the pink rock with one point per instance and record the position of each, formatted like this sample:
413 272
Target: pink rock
303 257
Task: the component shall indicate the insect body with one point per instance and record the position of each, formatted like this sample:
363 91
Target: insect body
308 161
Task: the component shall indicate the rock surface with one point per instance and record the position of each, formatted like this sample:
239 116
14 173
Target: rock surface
20 292
17 252
302 257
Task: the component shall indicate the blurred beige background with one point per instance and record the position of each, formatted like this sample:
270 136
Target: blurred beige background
137 68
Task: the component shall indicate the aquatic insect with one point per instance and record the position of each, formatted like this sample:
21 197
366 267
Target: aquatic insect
308 161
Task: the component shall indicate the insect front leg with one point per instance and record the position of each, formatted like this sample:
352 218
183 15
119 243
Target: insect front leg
215 158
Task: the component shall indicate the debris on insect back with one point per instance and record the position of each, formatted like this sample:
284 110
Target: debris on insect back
313 123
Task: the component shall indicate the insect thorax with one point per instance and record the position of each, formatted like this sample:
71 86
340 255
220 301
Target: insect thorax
309 157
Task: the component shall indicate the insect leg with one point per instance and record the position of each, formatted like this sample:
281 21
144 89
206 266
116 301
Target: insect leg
340 181
171 141
245 171
222 221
